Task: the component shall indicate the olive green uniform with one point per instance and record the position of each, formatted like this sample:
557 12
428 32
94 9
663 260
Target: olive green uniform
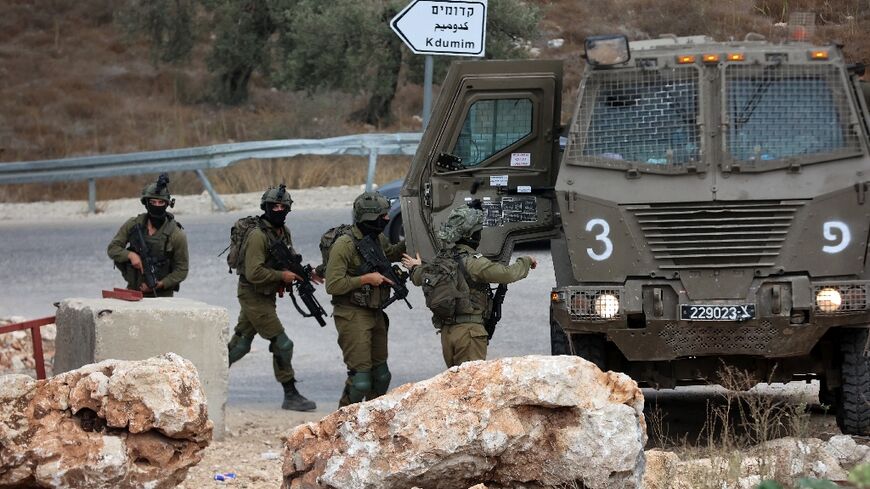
259 283
466 339
168 246
362 325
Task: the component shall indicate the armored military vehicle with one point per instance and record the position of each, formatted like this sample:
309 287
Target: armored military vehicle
710 207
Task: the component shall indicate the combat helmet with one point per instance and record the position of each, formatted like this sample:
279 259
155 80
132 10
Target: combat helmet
462 222
369 206
276 195
158 190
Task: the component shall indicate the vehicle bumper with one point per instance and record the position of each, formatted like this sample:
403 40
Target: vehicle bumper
788 320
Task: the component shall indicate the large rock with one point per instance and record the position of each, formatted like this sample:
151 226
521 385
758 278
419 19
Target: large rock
114 424
93 330
519 422
784 459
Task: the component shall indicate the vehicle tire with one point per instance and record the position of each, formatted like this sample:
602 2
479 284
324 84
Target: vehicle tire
558 340
591 347
853 413
397 231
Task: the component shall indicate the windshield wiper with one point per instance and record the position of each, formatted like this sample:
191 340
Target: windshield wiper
755 98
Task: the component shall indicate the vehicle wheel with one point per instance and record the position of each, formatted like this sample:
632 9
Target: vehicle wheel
853 413
590 347
558 340
397 231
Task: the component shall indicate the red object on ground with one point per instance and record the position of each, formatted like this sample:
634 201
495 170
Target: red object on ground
33 325
123 294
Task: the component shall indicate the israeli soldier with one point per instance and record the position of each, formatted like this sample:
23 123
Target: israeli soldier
259 282
463 337
358 299
165 240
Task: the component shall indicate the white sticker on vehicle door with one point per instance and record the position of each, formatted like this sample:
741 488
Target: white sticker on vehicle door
498 180
524 189
521 159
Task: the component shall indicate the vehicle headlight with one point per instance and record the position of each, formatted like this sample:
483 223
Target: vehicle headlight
828 299
607 306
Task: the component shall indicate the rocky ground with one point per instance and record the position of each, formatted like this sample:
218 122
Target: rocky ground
252 449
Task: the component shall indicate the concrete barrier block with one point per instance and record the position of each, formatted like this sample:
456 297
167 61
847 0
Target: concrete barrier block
93 330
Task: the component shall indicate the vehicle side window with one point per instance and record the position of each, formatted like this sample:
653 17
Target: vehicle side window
491 126
779 112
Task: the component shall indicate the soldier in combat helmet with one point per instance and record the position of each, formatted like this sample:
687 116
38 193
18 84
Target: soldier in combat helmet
463 337
358 300
165 240
259 283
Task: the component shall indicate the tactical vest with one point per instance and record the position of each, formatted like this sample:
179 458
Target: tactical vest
367 296
158 247
271 236
479 294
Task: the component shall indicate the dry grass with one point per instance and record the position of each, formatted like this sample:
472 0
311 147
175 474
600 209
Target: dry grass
741 419
70 84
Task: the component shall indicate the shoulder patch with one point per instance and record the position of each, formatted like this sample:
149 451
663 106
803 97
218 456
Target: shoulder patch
477 255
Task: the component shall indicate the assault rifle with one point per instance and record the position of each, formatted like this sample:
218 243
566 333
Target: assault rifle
149 264
374 260
288 260
490 323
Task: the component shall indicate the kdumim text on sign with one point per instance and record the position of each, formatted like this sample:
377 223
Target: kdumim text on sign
432 42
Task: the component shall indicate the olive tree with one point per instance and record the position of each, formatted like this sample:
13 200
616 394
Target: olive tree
344 45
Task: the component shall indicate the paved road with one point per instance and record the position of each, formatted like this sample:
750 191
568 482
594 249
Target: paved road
46 262
43 263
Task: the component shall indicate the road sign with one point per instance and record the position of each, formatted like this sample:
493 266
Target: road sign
446 27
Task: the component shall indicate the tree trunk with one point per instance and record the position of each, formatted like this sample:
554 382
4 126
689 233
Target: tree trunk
378 110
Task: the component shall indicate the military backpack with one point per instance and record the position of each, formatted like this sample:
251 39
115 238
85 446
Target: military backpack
327 240
238 235
445 286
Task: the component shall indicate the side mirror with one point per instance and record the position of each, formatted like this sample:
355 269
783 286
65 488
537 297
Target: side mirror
607 50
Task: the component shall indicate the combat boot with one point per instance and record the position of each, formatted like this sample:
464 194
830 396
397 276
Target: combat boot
293 400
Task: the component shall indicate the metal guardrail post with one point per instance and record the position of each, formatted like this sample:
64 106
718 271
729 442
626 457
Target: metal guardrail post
214 195
373 164
92 196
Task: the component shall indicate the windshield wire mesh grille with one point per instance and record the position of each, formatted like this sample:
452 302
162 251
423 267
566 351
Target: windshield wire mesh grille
646 118
715 234
785 111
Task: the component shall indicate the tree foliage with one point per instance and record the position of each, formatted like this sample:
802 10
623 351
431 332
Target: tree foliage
167 24
344 45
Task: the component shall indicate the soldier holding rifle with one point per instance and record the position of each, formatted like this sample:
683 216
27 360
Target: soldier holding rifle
150 249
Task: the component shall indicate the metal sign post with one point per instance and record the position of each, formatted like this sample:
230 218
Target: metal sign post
445 27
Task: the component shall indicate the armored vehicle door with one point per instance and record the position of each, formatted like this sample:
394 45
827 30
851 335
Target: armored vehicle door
493 136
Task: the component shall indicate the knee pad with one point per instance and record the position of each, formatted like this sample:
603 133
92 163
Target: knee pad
381 377
238 347
360 385
282 349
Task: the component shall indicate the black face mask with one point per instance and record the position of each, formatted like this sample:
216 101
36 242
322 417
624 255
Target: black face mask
473 241
156 214
276 218
372 228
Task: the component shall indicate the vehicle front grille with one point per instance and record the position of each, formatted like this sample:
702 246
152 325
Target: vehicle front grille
715 234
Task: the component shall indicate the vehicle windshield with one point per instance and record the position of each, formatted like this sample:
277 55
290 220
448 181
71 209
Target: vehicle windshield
780 111
638 117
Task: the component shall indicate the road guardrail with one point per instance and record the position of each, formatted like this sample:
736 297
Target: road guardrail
203 158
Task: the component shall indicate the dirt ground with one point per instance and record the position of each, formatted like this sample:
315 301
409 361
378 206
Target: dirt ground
252 449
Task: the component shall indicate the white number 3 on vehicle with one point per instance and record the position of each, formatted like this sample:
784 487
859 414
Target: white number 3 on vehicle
603 237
